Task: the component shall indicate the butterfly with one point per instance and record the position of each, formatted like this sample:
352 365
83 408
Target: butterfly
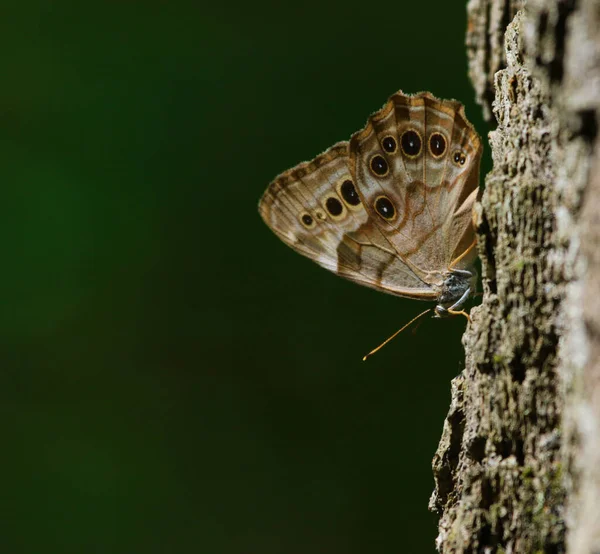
392 208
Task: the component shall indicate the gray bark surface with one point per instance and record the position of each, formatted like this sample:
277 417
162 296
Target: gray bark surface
517 469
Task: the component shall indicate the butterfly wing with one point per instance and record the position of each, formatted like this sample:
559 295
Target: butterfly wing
416 165
392 208
316 210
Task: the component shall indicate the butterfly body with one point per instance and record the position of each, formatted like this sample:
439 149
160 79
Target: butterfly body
456 289
392 208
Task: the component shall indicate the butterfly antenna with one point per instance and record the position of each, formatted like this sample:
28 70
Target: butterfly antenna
395 334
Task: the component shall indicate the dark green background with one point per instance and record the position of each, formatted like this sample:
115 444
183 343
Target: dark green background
174 378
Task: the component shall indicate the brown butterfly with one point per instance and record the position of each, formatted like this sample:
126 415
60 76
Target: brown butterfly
392 208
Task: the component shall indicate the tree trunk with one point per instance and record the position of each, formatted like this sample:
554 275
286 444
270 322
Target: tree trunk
517 469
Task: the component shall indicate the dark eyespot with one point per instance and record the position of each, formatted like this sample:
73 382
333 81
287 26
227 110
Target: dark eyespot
349 193
411 143
389 144
379 166
437 144
334 206
384 207
307 220
459 157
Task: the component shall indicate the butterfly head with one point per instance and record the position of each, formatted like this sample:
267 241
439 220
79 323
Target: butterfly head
458 285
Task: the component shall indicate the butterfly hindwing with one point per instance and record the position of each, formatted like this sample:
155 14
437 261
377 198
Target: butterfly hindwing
315 209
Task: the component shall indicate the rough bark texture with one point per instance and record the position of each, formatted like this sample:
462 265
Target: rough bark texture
517 469
486 24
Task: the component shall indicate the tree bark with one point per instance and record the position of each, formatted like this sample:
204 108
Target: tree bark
517 469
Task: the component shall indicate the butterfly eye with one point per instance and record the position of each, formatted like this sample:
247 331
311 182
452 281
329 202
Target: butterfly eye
307 221
349 193
389 144
437 145
334 206
384 207
411 143
379 166
459 158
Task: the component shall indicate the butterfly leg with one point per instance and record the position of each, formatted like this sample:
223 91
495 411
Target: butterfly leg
464 272
458 304
460 312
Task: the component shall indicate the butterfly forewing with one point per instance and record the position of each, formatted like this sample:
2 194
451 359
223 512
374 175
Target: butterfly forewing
418 137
